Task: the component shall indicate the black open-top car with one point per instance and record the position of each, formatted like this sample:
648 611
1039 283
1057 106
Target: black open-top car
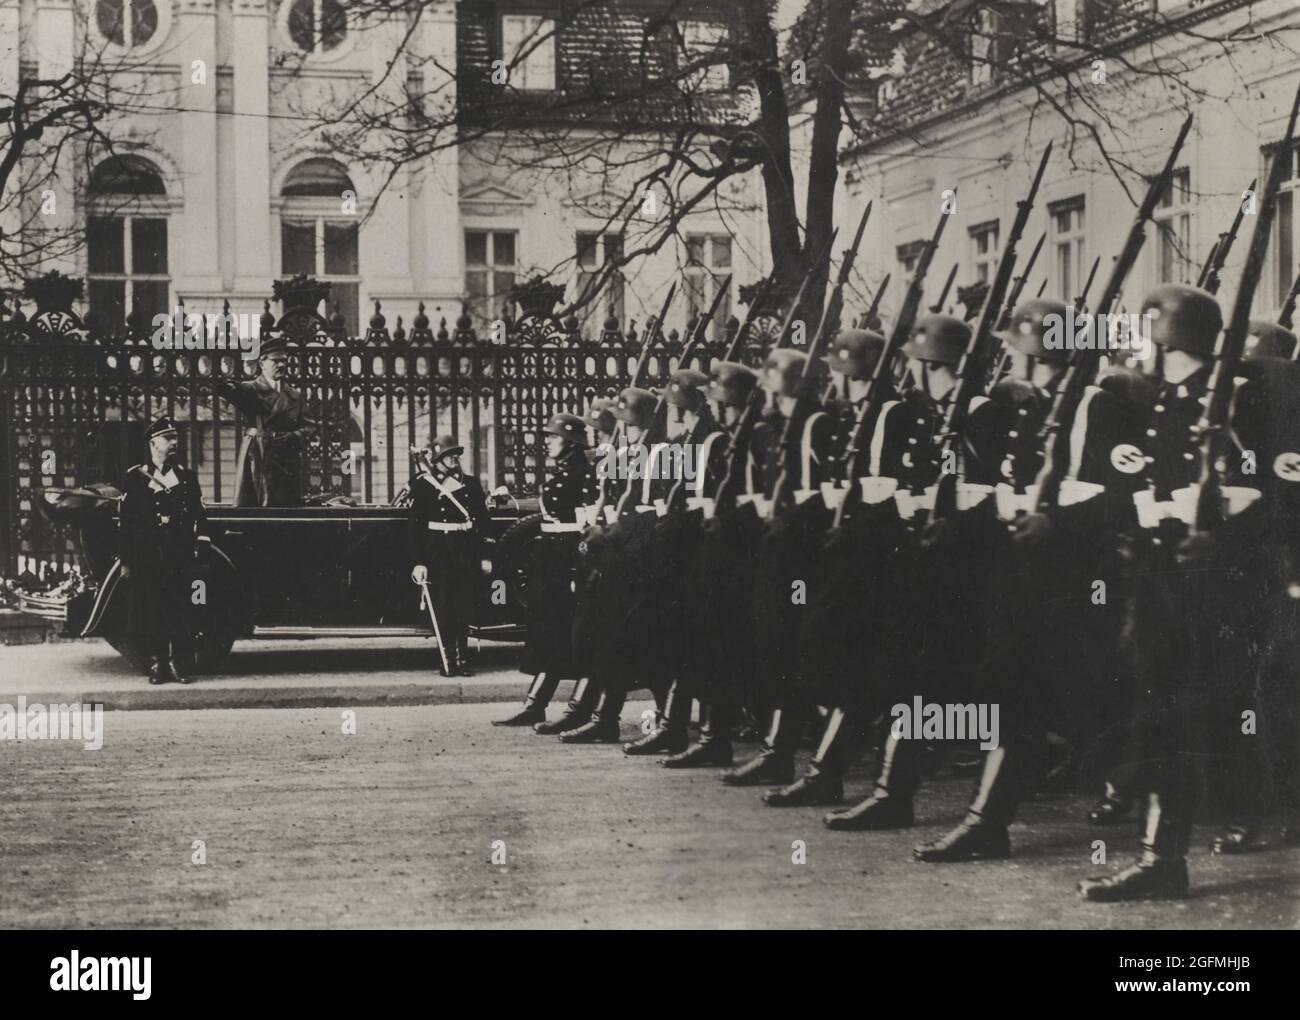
334 569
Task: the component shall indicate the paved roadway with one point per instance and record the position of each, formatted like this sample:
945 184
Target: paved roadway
306 826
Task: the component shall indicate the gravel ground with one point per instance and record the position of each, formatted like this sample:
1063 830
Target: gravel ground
305 826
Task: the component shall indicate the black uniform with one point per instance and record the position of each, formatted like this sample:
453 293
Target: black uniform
447 515
270 465
162 510
551 584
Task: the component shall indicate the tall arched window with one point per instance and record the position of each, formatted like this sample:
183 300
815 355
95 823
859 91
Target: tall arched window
126 241
318 232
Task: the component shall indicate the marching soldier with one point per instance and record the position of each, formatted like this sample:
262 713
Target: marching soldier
585 630
275 432
1053 650
692 430
620 641
788 545
720 634
161 512
448 512
1173 607
548 653
845 637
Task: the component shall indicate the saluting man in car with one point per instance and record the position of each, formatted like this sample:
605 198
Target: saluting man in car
448 513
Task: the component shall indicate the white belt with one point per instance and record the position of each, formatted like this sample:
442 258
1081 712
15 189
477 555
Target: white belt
586 515
1182 504
440 526
761 503
560 527
969 496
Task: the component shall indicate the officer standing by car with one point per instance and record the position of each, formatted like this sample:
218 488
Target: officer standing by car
276 429
548 653
162 509
448 513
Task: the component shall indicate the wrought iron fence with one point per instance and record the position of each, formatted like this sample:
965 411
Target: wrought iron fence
76 404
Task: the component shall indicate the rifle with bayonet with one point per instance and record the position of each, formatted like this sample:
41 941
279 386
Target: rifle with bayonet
1081 302
1009 308
738 443
973 368
655 331
1232 343
1211 277
1209 260
755 309
947 286
882 373
1082 365
870 314
806 391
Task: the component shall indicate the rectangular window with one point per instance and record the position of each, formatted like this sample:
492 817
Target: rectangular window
528 46
149 246
126 262
703 41
1173 218
1067 220
708 264
106 245
908 255
594 252
984 239
489 273
327 250
297 247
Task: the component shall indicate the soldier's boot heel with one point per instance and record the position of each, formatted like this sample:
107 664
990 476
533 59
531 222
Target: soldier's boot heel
155 672
1235 839
538 697
773 765
982 835
817 788
824 782
603 726
1160 872
576 713
1112 809
713 746
670 736
890 805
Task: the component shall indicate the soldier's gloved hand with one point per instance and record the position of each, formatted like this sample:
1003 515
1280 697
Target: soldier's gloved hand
250 432
419 573
1031 529
125 573
1194 547
936 534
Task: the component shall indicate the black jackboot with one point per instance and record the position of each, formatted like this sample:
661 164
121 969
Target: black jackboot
669 736
713 746
1160 872
539 695
603 726
824 781
890 805
576 713
982 835
775 762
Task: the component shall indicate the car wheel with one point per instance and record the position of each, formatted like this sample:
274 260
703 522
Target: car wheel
514 560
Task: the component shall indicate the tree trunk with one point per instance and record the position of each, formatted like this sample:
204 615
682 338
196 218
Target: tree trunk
823 157
774 124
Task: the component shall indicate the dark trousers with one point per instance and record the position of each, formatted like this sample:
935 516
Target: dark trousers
452 559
